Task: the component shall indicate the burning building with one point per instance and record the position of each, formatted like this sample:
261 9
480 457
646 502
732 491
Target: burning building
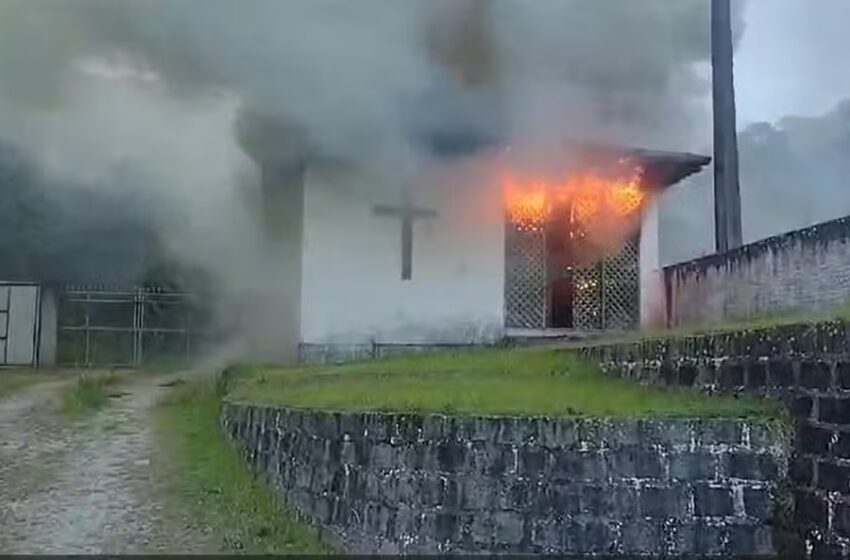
406 199
581 250
477 235
476 251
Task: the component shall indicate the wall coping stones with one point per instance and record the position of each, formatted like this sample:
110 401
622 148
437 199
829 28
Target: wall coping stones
802 339
593 432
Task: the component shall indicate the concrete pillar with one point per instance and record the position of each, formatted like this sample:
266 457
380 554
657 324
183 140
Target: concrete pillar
48 326
652 304
271 306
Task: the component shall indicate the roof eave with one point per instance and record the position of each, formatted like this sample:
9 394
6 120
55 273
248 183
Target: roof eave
664 169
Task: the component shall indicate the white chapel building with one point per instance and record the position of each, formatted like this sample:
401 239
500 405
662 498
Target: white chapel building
375 267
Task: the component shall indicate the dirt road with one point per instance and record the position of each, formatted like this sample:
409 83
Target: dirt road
86 487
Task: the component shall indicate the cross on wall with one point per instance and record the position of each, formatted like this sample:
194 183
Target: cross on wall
408 213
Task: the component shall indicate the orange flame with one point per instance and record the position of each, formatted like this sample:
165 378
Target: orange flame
590 197
528 205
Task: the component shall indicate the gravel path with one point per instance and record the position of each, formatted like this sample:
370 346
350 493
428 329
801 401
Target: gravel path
86 487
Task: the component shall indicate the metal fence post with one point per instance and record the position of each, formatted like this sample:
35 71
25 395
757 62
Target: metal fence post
87 332
138 326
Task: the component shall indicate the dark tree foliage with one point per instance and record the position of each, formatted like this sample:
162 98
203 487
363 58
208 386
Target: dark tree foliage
24 219
69 234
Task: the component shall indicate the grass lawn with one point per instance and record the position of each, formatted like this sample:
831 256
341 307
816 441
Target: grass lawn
213 486
531 381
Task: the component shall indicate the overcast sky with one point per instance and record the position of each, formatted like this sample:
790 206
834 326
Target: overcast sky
794 58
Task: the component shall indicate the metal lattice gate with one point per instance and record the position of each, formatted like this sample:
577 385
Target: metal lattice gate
606 294
525 278
125 327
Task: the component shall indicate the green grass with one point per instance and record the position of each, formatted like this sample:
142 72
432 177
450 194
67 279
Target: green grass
88 394
526 381
214 485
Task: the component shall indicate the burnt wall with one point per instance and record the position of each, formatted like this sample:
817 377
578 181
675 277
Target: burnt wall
800 270
806 367
391 483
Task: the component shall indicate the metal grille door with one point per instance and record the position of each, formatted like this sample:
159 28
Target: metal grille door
607 294
525 278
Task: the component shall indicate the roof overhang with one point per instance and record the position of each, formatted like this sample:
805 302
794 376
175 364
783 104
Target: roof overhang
661 169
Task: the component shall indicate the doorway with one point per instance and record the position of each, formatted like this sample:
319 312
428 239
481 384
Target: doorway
553 282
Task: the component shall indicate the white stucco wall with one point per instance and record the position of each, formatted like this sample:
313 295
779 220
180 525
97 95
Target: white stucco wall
652 304
352 291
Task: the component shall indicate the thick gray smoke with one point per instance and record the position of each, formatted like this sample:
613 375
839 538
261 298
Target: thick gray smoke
147 94
794 173
358 76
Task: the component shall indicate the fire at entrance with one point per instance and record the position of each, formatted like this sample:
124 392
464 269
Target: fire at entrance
572 250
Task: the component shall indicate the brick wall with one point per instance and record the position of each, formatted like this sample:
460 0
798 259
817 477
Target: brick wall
423 484
800 270
807 367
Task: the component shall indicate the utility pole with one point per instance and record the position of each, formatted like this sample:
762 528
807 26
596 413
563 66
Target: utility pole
727 192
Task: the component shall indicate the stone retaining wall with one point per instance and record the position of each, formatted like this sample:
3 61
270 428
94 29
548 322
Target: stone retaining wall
805 366
393 483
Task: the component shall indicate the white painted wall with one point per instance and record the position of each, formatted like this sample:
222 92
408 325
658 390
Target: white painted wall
652 303
352 290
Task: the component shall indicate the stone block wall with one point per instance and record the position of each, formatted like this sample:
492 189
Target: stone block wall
391 483
800 270
806 367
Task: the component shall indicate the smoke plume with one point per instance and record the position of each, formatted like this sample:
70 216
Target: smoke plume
148 95
793 174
